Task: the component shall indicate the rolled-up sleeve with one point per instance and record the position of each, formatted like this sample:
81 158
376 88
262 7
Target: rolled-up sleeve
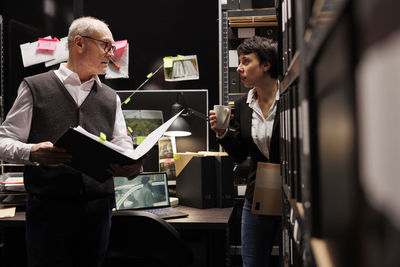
120 135
14 131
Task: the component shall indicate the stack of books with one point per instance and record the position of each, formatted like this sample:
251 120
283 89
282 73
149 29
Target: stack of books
12 193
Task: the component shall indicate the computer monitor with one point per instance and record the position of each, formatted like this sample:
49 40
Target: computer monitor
196 99
129 194
141 123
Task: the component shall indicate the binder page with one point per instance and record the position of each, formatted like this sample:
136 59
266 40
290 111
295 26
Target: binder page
144 146
152 139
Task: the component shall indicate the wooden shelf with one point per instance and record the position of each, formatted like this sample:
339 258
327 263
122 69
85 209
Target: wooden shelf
11 164
292 72
262 17
286 190
300 209
251 22
252 12
294 204
237 93
299 213
324 252
323 19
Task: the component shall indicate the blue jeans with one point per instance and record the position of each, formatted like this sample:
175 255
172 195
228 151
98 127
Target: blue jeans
69 232
258 235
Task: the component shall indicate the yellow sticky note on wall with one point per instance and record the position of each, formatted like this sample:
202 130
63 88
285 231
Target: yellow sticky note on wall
167 62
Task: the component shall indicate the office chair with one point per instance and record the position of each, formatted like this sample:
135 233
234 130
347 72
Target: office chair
140 238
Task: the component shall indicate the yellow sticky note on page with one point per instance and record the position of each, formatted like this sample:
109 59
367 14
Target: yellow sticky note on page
139 139
179 57
167 62
102 137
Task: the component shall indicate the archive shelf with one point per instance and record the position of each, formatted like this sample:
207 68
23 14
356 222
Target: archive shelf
261 22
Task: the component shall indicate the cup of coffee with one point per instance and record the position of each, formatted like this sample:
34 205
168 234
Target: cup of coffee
223 114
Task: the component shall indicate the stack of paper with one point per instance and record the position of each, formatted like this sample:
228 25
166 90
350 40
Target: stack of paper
38 52
12 193
52 51
14 184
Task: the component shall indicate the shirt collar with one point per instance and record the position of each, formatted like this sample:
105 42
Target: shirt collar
251 99
251 96
69 77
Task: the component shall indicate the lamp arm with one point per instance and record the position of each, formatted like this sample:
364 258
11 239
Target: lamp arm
190 111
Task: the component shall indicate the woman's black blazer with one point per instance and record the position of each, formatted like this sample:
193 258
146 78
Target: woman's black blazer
239 144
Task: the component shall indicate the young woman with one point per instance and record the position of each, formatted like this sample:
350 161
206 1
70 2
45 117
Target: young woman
255 133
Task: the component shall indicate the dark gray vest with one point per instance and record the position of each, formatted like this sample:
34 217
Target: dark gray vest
54 111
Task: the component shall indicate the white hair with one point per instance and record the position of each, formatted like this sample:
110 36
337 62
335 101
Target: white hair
84 26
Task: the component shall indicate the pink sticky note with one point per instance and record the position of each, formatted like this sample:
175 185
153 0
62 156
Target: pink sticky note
47 44
120 46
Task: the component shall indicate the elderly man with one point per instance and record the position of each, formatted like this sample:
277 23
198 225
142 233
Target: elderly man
68 214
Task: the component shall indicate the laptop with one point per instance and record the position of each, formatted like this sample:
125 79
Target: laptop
147 192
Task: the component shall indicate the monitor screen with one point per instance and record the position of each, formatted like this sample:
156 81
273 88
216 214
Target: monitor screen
162 100
140 123
144 191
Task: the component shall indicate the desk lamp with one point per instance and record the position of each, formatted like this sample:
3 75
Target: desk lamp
180 127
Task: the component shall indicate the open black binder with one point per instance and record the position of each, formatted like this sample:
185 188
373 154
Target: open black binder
92 156
89 156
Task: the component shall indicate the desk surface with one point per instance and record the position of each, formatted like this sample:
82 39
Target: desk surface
213 218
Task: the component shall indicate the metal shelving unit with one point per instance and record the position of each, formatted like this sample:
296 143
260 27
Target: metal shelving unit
321 188
1 70
2 90
1 78
263 21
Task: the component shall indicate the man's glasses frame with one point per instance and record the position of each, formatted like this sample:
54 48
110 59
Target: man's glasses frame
107 45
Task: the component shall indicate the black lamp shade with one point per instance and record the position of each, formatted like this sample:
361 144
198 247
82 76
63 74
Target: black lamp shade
179 127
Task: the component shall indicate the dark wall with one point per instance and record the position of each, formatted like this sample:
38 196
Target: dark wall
25 24
153 29
164 28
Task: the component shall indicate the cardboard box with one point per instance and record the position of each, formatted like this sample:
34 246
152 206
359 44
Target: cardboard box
267 199
204 179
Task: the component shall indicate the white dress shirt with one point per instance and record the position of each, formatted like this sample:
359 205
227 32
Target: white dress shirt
14 131
261 128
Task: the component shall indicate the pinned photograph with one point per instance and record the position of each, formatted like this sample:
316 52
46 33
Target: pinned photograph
181 68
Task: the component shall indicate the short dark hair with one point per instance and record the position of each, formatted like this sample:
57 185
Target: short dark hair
265 49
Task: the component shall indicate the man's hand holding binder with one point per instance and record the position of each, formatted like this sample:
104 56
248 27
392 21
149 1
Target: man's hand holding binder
129 171
103 159
47 153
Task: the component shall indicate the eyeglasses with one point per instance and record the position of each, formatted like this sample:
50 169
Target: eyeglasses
107 45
